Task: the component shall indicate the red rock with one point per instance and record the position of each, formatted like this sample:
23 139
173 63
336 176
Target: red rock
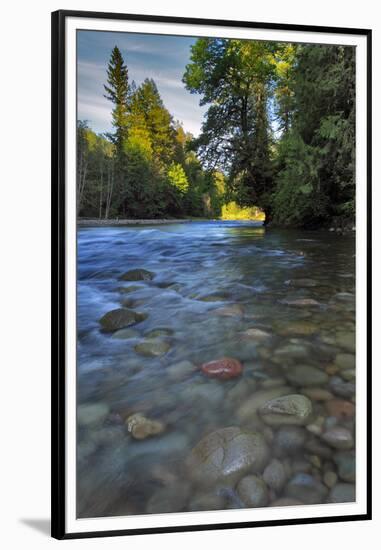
340 408
223 368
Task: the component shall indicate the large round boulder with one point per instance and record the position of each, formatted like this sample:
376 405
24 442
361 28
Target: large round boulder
226 455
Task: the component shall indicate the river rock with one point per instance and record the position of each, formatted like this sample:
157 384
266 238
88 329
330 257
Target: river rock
298 328
141 427
253 492
169 499
316 446
303 282
159 333
125 334
341 388
92 414
250 406
306 375
348 374
204 394
346 465
346 340
317 394
234 310
223 368
275 475
137 275
255 334
226 455
284 501
338 438
292 409
213 298
128 289
340 408
342 492
330 479
205 502
345 361
153 347
289 440
181 370
120 318
288 353
306 488
301 302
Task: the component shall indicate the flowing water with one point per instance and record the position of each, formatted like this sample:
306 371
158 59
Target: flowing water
214 282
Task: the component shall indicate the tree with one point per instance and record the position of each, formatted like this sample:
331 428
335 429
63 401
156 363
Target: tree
147 104
117 92
235 78
316 161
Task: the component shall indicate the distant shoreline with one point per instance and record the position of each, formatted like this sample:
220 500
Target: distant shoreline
94 222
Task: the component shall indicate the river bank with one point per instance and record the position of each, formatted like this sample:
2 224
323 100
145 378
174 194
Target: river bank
104 223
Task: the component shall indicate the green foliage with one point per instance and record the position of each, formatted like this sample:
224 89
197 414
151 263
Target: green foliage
278 137
117 92
232 211
316 164
177 177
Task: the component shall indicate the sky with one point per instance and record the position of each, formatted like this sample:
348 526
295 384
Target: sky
162 58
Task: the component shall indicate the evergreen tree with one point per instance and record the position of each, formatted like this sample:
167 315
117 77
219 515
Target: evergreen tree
117 92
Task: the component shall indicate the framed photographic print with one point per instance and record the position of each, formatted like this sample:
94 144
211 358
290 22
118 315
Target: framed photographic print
211 274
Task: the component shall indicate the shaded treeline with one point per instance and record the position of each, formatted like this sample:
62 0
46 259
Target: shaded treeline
279 134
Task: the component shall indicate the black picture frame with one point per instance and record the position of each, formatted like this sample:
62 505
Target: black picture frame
58 320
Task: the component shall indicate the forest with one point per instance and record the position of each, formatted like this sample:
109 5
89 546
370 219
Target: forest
277 141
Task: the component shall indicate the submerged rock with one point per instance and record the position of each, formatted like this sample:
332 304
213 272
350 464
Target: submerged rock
346 465
253 492
141 427
275 475
338 438
305 375
125 334
343 492
341 388
181 370
306 488
137 275
345 361
284 501
152 347
223 368
169 499
290 409
255 334
205 502
234 310
250 406
303 282
226 455
301 302
341 409
159 332
298 328
120 318
346 340
289 440
317 394
92 414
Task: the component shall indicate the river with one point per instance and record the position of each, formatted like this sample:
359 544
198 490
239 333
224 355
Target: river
280 302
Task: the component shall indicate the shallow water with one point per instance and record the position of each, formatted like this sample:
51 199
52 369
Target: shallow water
213 281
